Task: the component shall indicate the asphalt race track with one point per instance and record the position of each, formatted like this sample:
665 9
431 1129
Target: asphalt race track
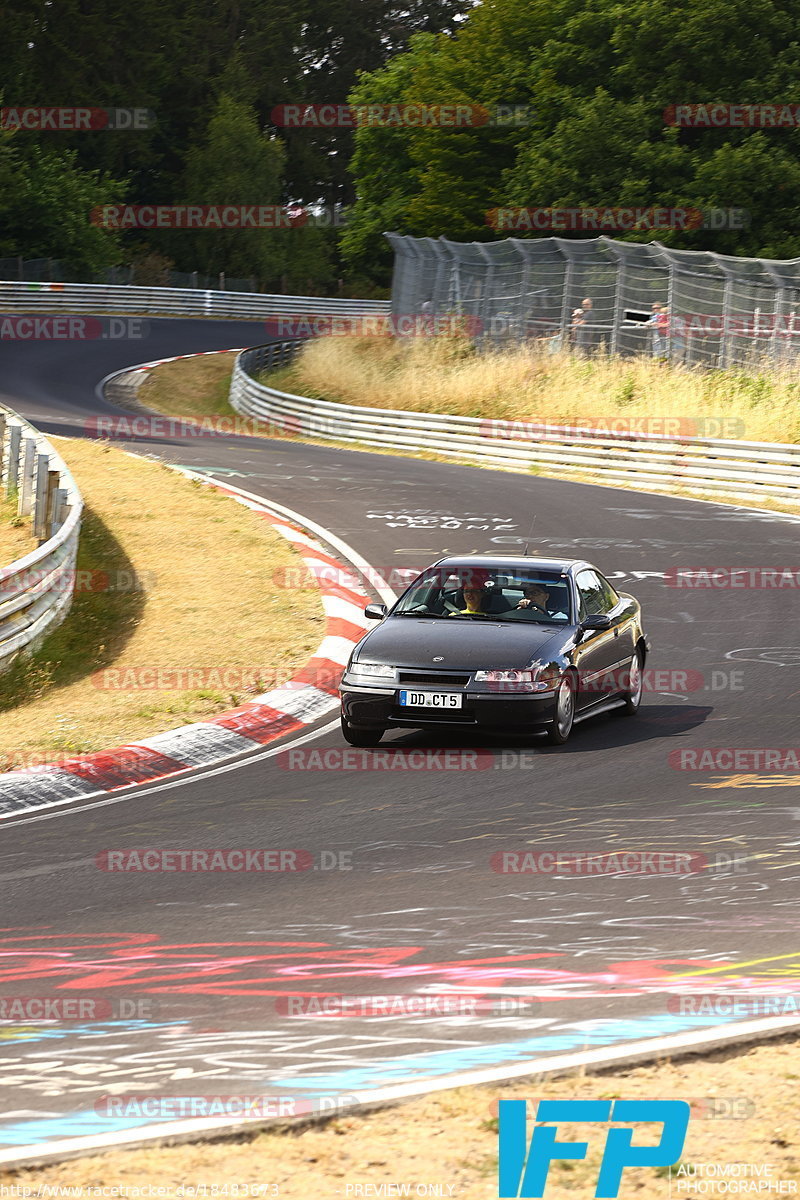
201 970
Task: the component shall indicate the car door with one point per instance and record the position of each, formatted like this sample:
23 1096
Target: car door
622 610
599 652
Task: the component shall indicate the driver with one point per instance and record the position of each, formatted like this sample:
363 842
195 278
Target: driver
534 596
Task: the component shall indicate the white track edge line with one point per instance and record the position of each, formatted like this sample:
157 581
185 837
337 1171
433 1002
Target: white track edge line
134 1139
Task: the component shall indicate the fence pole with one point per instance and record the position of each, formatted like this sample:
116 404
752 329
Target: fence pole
28 469
40 497
58 507
618 310
12 468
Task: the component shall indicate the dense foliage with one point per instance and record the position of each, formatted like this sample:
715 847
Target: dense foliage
597 76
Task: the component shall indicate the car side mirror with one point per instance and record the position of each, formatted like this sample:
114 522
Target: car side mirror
596 621
375 612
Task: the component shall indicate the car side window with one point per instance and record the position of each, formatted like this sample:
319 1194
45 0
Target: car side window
612 597
595 594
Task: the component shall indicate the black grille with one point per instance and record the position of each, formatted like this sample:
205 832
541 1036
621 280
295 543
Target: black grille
435 678
432 716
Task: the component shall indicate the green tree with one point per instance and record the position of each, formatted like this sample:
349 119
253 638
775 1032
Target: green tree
240 164
46 201
599 76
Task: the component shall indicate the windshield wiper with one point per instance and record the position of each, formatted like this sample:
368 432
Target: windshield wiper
408 612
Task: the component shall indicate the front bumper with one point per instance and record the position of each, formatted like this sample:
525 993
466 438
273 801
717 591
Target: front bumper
373 707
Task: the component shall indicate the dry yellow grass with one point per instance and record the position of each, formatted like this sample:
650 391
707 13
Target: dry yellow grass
205 596
16 539
369 371
530 384
190 387
450 1139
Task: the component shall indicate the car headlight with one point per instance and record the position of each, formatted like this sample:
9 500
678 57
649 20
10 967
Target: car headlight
373 670
526 679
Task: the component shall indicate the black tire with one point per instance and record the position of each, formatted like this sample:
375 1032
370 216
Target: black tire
564 715
633 695
360 737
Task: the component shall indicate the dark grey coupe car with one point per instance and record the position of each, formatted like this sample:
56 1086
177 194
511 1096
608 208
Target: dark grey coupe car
504 645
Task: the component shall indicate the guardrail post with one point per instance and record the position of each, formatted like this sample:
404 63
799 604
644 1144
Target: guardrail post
28 469
40 497
12 467
2 443
53 480
60 508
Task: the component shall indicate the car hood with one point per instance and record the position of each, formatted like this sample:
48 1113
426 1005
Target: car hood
461 644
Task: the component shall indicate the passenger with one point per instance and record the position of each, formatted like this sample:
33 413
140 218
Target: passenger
474 596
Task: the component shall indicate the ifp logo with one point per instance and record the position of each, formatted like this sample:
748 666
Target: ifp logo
523 1169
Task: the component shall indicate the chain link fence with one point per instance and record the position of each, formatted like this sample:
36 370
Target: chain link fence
689 306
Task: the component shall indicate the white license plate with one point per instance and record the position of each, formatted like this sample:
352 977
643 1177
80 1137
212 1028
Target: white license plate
430 699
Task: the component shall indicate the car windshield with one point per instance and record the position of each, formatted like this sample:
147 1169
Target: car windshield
501 594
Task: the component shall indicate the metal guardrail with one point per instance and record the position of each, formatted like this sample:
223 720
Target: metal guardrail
36 590
180 302
713 466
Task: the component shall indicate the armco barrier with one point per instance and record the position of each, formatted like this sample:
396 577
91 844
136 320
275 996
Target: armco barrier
36 591
714 466
176 302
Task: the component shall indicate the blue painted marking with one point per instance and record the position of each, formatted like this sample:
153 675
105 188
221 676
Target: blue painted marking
572 1035
29 1032
79 1124
575 1036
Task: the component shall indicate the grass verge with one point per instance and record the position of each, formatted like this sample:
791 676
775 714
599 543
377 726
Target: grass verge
173 577
744 1111
16 538
190 387
529 384
208 392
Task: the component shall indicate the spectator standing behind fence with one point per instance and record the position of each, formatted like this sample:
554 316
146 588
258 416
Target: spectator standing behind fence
576 327
660 322
652 321
585 331
677 337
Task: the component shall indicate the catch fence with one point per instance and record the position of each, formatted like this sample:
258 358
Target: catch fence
689 306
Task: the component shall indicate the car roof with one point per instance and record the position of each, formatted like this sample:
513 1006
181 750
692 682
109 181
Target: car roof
517 561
